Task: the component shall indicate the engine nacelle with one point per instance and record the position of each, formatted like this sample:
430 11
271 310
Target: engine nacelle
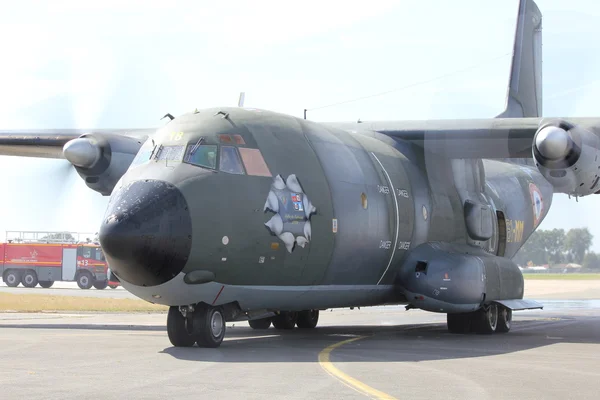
568 157
453 278
101 159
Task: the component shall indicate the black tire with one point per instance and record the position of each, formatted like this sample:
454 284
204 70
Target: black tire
486 319
176 329
307 319
29 279
285 320
100 285
113 286
209 326
85 280
263 323
504 319
46 284
459 323
12 278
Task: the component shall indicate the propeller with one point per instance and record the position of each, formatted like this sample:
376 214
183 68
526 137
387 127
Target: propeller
553 142
82 152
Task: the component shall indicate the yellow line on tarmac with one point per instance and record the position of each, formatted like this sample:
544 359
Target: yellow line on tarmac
347 379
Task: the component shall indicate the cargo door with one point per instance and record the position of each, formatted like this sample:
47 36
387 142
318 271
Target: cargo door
69 264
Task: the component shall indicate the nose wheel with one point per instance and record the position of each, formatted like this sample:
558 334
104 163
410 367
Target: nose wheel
205 325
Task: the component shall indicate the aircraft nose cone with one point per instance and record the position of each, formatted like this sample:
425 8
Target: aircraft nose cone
553 142
146 234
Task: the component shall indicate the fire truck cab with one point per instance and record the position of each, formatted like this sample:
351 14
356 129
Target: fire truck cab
32 258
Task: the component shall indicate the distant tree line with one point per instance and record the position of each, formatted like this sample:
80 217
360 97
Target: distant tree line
559 247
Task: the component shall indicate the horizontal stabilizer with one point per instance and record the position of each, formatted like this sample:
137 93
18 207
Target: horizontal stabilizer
520 304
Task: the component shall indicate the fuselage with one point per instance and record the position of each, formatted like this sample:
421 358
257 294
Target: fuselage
272 211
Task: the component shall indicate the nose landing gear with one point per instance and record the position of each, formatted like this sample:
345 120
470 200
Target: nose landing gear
203 324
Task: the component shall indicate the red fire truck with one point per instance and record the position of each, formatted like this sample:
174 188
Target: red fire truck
33 258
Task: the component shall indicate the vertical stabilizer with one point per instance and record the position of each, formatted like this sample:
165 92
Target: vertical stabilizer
524 97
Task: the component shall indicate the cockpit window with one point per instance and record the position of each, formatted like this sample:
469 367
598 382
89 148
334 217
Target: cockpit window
203 155
143 154
225 139
170 153
230 160
239 140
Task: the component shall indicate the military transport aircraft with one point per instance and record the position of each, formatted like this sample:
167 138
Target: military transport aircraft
230 214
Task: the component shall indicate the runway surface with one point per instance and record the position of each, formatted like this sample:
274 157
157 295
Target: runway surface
542 290
70 289
382 352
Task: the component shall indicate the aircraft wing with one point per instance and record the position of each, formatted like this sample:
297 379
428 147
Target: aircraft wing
477 138
473 138
48 143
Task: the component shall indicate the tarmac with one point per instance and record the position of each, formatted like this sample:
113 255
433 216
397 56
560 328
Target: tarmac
535 289
377 352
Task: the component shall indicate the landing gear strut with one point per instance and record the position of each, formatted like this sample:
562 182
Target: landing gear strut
489 319
203 324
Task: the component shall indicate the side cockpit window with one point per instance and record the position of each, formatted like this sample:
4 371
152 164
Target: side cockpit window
230 161
202 155
143 154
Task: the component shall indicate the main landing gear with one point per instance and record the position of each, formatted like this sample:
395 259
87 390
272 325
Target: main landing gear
202 324
492 318
286 320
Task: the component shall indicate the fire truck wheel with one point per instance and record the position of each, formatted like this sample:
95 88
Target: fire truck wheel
100 285
12 279
46 284
84 280
30 279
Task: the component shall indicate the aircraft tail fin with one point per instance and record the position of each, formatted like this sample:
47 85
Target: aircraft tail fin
524 96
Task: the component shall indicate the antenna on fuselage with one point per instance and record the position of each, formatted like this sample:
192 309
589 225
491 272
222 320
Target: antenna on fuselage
241 99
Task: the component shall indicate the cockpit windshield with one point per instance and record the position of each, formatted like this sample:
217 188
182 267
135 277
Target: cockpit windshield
231 155
230 160
202 155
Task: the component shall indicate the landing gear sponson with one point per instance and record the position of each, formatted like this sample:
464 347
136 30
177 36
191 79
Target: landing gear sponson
205 325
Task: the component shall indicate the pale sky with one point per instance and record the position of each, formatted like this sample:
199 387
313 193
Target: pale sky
124 64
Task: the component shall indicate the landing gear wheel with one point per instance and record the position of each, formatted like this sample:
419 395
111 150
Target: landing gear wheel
308 319
459 323
263 323
84 280
30 279
12 279
285 320
113 286
487 319
208 326
176 329
504 319
100 285
46 284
